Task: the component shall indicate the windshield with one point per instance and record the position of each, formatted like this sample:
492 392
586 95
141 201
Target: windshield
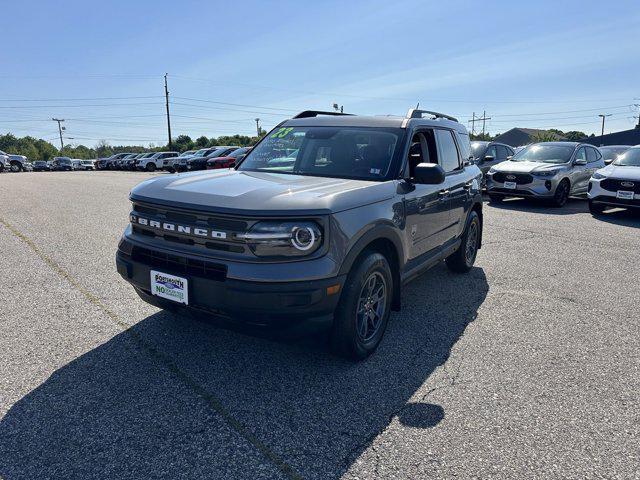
609 153
478 148
217 152
544 153
200 153
238 152
340 152
188 153
630 158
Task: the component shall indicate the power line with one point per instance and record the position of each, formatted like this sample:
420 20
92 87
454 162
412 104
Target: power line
76 99
237 104
81 106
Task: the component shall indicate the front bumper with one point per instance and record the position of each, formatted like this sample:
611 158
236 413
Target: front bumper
275 304
542 187
599 195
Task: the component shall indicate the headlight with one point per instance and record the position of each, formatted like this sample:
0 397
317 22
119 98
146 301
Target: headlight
598 176
491 171
548 173
274 239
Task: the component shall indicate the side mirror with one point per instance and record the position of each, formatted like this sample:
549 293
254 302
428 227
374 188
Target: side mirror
509 158
489 158
580 161
429 174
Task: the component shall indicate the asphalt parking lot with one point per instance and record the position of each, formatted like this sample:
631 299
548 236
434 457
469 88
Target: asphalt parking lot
529 366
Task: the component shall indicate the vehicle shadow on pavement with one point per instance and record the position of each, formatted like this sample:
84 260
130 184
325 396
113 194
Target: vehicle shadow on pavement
139 406
622 217
573 206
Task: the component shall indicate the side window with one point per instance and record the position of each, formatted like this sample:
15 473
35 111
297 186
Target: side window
447 151
503 153
465 145
592 156
422 150
491 152
581 155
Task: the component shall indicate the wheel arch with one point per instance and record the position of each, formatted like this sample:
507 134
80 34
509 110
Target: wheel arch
385 240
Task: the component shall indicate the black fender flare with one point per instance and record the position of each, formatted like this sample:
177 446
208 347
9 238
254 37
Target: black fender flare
381 231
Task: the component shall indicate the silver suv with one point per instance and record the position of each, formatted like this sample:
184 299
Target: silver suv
548 170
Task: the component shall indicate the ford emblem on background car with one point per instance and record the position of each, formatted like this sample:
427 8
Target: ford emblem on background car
627 184
511 177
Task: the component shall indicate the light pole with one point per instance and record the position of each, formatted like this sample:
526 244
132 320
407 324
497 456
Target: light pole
603 116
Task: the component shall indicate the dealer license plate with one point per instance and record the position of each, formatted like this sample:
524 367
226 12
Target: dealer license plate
511 185
171 287
625 195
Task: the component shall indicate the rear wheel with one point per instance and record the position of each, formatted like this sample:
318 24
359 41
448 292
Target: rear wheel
151 167
561 195
596 208
363 312
462 260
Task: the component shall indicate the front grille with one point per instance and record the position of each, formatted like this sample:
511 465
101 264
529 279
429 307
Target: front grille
614 184
520 178
230 227
179 265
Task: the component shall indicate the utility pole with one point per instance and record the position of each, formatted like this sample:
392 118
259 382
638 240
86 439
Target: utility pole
603 116
60 128
258 126
166 96
473 124
484 118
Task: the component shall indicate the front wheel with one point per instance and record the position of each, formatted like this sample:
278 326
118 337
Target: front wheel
561 195
151 167
363 312
16 167
462 260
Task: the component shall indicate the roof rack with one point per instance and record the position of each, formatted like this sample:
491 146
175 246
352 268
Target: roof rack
315 113
416 113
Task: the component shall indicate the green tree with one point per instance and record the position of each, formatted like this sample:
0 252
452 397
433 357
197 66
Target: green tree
201 142
183 143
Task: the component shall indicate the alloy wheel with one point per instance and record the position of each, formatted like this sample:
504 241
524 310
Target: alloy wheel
371 306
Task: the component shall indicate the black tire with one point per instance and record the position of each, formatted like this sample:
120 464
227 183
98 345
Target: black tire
151 167
596 208
355 335
495 198
1 168
561 194
15 167
462 260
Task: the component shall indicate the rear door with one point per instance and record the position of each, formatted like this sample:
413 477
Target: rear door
456 186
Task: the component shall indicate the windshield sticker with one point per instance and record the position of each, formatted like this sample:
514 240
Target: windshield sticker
282 132
375 171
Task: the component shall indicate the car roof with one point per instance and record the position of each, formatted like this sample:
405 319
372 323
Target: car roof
387 121
617 146
562 144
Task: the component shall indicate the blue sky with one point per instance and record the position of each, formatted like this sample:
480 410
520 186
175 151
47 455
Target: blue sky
100 64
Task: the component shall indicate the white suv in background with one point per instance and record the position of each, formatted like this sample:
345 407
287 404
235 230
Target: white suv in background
154 162
618 184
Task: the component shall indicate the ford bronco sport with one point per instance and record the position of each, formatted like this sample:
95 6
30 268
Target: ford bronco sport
325 220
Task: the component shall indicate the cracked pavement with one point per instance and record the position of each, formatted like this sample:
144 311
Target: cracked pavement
527 367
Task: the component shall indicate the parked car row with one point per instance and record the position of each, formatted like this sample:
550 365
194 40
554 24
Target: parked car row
554 171
191 160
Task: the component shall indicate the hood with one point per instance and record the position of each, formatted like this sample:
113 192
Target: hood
622 173
261 193
528 167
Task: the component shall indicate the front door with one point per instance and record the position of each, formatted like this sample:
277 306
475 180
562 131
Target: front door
426 206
